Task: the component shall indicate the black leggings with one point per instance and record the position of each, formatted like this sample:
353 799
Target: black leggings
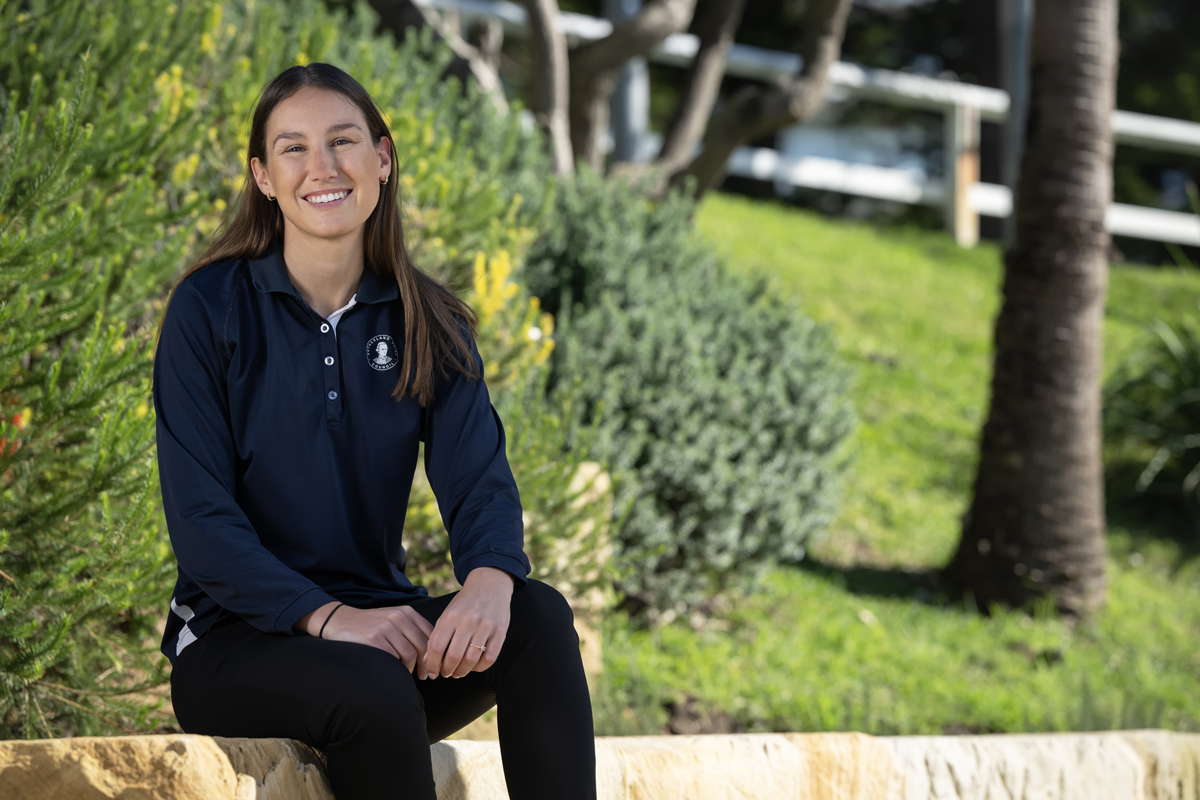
375 721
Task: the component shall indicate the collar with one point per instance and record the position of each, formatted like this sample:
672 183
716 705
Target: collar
268 273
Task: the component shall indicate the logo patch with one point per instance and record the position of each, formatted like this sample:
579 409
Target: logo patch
381 352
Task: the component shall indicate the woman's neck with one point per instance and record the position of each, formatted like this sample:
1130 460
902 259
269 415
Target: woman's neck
326 272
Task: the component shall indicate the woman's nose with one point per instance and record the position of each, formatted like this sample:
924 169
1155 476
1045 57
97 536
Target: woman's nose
323 163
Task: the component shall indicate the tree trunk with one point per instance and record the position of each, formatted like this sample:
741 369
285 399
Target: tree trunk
758 110
551 81
1036 523
594 69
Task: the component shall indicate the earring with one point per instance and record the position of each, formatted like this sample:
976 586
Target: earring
383 180
270 197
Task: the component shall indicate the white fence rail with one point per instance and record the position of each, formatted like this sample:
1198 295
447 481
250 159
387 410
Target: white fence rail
964 105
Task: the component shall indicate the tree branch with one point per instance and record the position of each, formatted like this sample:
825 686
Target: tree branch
594 68
757 110
551 81
398 16
715 28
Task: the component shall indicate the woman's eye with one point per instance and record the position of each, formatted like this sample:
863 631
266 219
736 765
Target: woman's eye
335 141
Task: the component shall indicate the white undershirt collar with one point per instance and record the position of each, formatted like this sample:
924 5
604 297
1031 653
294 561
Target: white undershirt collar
336 315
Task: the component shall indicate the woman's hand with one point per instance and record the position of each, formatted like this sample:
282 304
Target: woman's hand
398 630
478 615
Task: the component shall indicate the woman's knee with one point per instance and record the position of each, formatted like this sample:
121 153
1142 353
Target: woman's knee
540 607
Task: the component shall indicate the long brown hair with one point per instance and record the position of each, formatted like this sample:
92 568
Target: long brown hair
433 338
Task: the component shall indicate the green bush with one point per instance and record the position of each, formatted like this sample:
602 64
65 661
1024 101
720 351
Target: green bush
109 181
565 502
84 567
724 409
1152 417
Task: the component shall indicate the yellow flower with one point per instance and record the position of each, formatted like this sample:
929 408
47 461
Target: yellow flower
22 418
185 169
302 59
142 410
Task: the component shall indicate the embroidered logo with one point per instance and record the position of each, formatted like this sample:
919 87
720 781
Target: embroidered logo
381 352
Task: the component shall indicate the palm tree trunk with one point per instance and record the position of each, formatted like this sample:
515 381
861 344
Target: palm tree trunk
1035 526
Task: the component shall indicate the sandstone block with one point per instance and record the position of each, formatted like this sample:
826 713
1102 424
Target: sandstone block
277 769
1171 762
171 767
1064 766
803 766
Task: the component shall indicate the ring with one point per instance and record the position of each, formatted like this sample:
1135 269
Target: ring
480 646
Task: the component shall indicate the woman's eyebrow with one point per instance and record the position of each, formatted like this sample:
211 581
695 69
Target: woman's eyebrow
341 126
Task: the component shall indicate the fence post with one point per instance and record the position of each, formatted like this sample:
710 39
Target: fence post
631 99
962 172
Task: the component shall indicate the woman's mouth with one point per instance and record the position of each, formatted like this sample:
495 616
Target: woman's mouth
328 199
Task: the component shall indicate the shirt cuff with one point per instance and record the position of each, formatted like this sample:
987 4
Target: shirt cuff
517 566
310 600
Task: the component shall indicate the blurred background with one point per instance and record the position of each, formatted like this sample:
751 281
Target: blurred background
739 269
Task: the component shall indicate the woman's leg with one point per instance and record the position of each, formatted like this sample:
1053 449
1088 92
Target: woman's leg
374 721
537 684
356 703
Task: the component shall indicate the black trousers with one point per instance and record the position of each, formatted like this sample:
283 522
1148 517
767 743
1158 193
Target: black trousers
375 721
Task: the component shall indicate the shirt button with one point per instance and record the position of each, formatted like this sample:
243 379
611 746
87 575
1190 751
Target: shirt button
324 327
332 395
329 361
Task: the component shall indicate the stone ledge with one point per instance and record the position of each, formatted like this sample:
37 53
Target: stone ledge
1127 765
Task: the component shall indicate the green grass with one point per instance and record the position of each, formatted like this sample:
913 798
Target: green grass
856 643
913 313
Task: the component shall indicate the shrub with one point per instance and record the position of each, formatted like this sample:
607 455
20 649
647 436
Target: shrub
724 409
82 558
1152 416
566 514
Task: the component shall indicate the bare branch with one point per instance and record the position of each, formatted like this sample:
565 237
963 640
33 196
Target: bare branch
551 81
398 16
757 110
594 68
488 39
715 28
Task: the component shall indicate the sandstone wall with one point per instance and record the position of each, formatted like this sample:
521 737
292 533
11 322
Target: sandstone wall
1128 765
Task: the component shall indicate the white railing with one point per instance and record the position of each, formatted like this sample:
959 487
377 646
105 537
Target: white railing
964 105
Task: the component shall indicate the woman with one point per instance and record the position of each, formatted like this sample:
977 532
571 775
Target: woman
299 363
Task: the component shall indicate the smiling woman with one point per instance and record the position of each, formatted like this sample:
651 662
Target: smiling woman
287 447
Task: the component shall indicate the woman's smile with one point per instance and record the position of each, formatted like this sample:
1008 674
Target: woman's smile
328 198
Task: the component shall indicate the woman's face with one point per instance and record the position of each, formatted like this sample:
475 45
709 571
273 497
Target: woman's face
318 147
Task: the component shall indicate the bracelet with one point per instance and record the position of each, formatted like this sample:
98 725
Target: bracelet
326 622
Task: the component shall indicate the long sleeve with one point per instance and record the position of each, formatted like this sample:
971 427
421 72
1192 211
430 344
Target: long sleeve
214 541
469 473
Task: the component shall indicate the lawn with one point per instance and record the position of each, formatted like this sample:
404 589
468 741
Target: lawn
856 640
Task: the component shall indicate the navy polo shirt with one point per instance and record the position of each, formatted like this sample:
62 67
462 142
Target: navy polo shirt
286 464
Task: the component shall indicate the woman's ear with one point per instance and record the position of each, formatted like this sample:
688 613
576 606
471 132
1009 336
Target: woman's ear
385 157
260 176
